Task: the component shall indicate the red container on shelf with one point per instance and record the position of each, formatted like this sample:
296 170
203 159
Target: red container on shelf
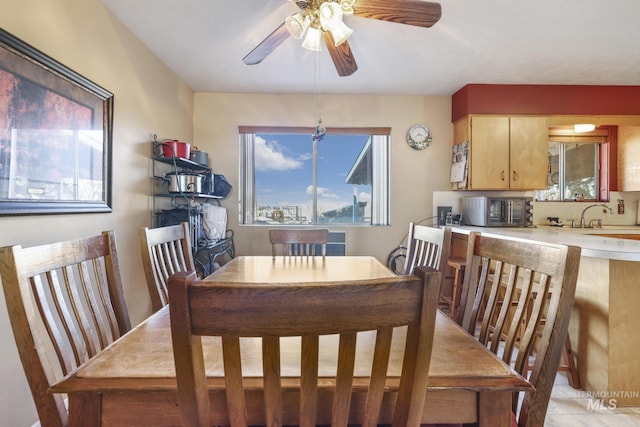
176 148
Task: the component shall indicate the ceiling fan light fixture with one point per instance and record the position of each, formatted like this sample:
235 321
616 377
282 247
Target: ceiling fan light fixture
297 24
331 20
584 127
330 14
313 39
341 33
326 17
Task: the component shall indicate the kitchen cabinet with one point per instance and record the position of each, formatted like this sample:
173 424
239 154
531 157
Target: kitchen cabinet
505 153
172 207
629 158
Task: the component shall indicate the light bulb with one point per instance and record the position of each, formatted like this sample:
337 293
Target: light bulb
297 24
341 33
584 127
330 15
312 40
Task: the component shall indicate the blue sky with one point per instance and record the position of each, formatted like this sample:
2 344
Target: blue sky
284 170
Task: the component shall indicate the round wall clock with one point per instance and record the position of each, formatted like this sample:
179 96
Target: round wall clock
419 137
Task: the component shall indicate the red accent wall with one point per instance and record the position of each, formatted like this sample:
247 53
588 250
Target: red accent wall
545 100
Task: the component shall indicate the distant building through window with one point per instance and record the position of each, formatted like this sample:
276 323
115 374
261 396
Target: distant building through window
290 178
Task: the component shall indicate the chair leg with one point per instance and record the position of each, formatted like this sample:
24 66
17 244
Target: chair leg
458 265
568 364
572 370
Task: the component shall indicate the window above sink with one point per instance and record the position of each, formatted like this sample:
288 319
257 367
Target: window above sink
578 164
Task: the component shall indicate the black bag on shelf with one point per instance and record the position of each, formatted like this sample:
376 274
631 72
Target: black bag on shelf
172 217
176 216
221 186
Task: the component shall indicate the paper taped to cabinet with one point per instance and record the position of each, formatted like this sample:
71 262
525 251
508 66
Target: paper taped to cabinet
457 171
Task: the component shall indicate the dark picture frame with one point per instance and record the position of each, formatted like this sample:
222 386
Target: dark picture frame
56 131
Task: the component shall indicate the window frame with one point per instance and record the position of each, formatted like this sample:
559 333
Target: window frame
562 171
380 199
607 138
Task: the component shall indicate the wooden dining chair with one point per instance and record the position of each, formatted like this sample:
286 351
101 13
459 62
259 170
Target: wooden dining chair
165 251
298 242
309 311
429 246
520 296
568 358
65 304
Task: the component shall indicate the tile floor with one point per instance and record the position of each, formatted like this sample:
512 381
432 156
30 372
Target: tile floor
569 407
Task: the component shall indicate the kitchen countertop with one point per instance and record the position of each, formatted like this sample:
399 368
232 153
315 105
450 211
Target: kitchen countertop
587 238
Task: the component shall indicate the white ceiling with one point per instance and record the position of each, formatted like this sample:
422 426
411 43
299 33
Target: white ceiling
590 42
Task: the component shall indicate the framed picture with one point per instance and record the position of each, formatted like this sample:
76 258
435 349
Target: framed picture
55 135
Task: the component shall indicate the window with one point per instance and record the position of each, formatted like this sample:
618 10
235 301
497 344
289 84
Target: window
577 167
289 178
573 171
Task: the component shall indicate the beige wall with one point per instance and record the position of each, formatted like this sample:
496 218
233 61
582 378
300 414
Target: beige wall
414 174
82 35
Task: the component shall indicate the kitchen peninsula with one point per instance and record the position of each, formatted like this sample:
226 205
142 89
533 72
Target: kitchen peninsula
604 328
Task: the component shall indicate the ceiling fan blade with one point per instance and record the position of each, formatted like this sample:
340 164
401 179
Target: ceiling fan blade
341 55
267 45
409 12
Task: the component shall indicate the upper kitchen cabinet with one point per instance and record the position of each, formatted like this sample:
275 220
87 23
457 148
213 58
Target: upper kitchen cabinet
505 153
629 158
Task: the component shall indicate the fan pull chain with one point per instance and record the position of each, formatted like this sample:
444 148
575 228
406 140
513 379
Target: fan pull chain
320 129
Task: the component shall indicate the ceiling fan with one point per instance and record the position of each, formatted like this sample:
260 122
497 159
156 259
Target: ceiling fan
323 19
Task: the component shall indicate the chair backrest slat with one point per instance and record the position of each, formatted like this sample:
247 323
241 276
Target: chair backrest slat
165 251
68 356
308 311
310 346
67 305
519 296
272 381
298 242
96 301
344 378
233 382
378 374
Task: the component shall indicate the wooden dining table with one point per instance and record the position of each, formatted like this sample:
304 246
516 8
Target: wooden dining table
132 382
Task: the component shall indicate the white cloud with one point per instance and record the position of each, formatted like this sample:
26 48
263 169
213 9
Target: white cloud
270 157
323 192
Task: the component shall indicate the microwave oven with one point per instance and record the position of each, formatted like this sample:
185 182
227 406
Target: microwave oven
497 211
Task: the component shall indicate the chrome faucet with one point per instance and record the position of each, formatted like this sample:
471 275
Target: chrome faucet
582 221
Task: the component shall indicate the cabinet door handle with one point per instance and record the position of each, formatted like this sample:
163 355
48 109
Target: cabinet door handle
502 175
515 176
